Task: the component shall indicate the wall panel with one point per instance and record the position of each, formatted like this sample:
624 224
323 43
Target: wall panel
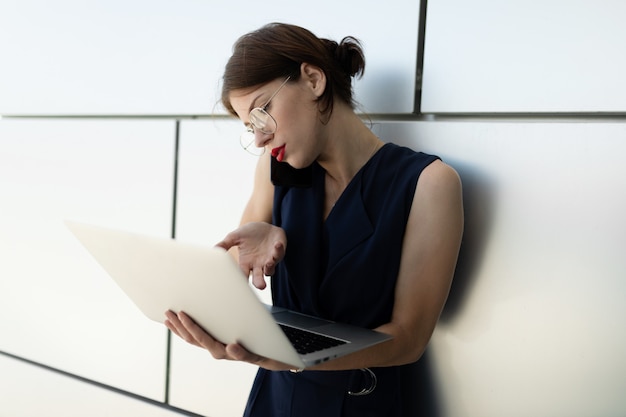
164 57
215 182
524 56
534 324
57 306
27 391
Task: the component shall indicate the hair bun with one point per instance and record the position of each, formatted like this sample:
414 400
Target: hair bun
348 54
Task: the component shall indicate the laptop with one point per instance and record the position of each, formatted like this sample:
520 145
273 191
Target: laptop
160 274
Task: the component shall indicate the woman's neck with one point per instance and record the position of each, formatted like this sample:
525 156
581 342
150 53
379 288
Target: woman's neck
349 145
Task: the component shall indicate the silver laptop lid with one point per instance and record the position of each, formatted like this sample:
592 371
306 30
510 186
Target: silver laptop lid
160 274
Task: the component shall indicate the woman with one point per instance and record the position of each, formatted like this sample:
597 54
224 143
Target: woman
350 228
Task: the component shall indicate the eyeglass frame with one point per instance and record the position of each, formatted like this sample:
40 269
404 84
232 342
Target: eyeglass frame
250 130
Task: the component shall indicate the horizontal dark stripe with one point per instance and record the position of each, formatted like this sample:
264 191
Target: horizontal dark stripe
101 385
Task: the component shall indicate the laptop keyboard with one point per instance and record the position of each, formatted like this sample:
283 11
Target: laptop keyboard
307 342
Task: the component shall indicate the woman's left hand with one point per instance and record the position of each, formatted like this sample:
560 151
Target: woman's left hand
184 327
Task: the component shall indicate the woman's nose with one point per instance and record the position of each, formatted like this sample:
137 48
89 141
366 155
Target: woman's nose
262 139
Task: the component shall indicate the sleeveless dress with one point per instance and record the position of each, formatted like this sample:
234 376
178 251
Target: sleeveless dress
343 269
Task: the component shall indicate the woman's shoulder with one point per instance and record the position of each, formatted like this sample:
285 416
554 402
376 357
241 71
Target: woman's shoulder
404 154
439 182
440 174
430 170
394 160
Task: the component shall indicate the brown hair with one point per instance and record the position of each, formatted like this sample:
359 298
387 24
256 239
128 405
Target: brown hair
277 50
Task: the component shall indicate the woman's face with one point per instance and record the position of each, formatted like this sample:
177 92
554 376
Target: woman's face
296 139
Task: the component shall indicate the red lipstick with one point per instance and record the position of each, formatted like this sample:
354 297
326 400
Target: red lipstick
279 153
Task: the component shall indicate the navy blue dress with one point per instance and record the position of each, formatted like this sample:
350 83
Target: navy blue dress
343 269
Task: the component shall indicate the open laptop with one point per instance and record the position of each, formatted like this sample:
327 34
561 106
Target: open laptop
205 282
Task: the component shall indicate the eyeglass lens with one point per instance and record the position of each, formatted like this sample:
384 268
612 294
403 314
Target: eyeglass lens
262 121
247 142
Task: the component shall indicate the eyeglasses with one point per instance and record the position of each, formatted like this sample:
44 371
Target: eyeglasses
261 121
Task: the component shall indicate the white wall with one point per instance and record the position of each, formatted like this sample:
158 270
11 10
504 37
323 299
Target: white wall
57 306
531 56
28 391
215 182
534 324
165 57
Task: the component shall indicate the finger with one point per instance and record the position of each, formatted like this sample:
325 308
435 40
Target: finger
238 352
279 249
229 241
225 244
277 256
171 327
269 268
203 339
174 323
258 278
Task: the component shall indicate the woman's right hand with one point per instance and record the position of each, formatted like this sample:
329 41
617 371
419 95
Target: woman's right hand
261 246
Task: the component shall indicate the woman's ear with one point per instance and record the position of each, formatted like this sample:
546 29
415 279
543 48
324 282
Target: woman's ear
314 78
